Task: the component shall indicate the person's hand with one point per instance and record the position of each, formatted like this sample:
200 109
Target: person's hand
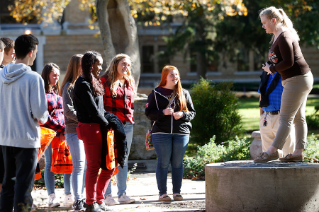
178 115
265 67
168 111
62 137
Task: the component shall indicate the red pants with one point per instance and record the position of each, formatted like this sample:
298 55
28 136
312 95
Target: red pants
90 133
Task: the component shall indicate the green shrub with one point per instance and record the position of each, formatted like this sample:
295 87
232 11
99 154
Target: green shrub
238 149
313 120
311 153
216 112
59 182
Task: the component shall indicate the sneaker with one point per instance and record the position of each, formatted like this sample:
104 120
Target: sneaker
291 158
93 208
177 197
103 207
125 199
68 200
53 202
264 157
34 207
109 200
78 205
164 197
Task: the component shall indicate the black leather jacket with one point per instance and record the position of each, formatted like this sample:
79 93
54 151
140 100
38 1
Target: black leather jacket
167 123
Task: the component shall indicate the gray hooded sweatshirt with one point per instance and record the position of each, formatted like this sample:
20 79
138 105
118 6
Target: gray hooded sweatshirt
22 104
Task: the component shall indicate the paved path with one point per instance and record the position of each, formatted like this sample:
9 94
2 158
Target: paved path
143 188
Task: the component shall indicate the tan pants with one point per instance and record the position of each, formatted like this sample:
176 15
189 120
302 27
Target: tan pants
293 110
269 132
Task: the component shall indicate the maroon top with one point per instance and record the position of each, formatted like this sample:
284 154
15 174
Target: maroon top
286 57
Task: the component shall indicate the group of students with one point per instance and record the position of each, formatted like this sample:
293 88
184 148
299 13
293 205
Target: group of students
87 106
81 112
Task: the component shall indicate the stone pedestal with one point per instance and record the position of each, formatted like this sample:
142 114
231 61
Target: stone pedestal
275 186
255 146
142 124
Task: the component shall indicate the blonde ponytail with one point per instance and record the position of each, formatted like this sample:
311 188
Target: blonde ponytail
282 19
286 22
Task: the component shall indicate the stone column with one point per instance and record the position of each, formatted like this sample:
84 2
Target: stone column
255 146
244 186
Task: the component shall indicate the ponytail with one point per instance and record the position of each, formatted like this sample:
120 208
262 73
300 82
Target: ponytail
281 17
286 22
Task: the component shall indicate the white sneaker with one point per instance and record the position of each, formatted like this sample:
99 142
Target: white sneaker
110 201
53 201
125 199
68 200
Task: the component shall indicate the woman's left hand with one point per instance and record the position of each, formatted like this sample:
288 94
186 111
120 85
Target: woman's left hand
178 115
266 68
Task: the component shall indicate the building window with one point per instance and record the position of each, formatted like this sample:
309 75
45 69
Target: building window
163 58
211 65
192 60
243 60
147 59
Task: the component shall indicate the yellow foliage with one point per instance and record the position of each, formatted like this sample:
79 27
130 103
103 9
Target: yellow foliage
160 8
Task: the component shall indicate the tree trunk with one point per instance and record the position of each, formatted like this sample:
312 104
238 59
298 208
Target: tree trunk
119 32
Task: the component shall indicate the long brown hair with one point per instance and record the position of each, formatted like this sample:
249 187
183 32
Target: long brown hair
72 72
178 88
111 73
47 69
88 60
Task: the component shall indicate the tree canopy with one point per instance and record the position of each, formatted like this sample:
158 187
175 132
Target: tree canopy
208 27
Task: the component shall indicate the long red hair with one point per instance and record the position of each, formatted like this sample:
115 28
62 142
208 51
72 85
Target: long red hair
178 87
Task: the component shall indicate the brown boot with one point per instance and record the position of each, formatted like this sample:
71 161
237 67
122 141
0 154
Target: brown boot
264 157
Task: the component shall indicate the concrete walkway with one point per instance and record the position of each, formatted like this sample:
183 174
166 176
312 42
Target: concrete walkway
143 188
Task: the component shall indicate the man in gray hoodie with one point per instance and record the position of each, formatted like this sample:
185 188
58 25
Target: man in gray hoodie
22 106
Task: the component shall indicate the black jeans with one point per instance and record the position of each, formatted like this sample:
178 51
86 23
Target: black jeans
19 165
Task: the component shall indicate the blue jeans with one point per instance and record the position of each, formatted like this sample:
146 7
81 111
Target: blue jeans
20 165
121 177
49 179
170 148
79 164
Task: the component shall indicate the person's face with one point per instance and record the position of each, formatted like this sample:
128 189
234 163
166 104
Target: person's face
54 76
123 67
1 56
8 58
172 78
268 24
33 55
97 67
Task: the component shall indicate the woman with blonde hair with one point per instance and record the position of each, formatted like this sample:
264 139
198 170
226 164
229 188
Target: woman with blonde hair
285 57
171 109
118 99
71 122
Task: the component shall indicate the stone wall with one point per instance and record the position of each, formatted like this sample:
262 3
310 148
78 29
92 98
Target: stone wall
60 48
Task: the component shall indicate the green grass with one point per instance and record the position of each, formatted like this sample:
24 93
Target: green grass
249 111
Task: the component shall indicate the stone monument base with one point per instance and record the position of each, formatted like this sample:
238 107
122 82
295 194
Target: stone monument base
274 186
